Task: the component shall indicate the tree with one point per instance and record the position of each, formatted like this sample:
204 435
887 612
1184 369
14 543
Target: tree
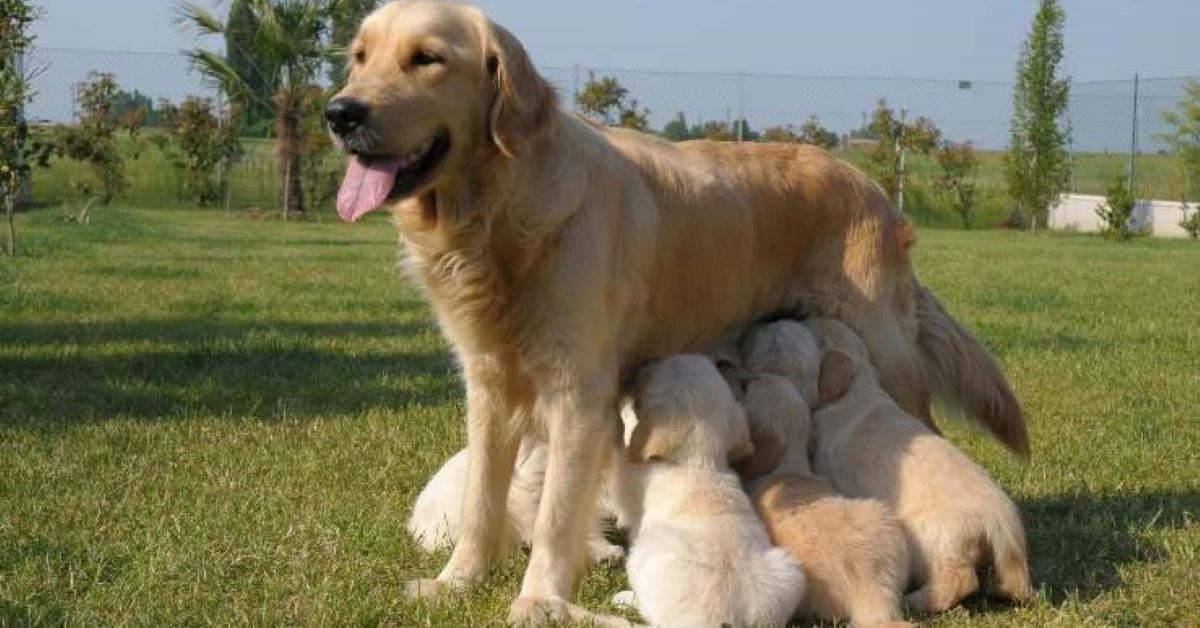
897 137
198 140
1184 138
1117 210
677 130
785 134
240 27
1191 219
93 139
344 23
607 102
288 47
959 163
18 150
1037 166
811 132
741 131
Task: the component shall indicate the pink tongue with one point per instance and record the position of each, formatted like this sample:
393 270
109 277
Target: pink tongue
366 186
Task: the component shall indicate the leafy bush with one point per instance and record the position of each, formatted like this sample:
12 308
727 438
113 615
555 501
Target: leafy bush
959 164
608 102
93 139
197 141
895 137
1191 220
1117 210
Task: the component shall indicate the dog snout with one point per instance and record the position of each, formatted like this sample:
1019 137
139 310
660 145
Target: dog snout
345 115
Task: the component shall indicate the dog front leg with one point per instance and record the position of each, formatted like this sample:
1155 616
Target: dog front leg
580 431
492 442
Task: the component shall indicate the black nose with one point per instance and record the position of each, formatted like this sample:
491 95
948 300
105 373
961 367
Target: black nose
345 114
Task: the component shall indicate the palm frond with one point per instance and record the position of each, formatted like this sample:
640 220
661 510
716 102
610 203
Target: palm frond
198 19
217 69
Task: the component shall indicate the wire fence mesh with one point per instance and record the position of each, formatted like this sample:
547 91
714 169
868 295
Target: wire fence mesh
1111 127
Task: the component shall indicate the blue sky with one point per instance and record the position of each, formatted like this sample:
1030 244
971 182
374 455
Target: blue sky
952 39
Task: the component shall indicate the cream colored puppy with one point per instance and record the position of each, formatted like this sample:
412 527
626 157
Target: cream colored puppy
786 348
955 517
436 515
700 555
854 553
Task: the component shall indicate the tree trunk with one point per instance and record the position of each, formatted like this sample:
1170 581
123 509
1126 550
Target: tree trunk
12 227
288 128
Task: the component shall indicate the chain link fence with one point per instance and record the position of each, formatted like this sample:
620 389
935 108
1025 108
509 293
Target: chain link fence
1116 126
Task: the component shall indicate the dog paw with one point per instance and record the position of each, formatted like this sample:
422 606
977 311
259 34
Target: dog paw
527 611
625 599
424 588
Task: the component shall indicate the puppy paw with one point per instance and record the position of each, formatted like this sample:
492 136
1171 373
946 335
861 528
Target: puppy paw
601 550
424 588
528 611
626 599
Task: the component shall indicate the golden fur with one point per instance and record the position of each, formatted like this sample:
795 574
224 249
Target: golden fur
560 256
955 517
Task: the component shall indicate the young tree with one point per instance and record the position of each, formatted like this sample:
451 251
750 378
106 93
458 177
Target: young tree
197 140
287 49
677 130
785 134
1191 219
16 145
959 163
607 102
897 137
1117 210
93 139
1037 167
1184 138
812 132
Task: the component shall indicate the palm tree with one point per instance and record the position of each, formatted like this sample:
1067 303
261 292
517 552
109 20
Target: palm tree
286 51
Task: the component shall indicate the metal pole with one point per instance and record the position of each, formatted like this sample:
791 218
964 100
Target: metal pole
741 121
1133 142
575 90
900 149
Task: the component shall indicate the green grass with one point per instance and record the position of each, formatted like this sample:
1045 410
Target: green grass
209 419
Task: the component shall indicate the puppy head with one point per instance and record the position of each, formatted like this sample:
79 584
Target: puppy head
686 414
843 357
784 348
432 86
779 425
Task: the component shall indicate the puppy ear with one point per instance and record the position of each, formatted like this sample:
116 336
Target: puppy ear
837 373
653 441
523 102
768 451
741 445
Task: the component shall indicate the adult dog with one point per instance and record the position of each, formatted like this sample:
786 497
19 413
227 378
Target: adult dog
560 256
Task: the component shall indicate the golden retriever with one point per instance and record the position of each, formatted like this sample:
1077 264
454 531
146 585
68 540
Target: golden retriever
955 517
560 256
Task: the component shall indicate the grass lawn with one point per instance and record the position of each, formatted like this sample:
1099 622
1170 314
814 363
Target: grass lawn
209 419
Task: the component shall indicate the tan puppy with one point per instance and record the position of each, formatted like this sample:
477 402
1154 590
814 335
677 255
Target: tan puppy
559 257
853 550
955 517
699 555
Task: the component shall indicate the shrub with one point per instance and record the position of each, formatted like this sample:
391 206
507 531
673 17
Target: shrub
1191 219
958 163
93 139
1117 210
197 141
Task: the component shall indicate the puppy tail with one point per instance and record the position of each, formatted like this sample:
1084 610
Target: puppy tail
774 588
1007 543
964 376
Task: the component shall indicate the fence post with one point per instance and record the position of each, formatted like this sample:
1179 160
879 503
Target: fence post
1133 141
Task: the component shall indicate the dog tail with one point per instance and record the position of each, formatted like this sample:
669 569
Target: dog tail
964 376
1007 541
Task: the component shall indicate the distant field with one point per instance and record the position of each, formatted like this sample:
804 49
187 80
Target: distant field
153 182
217 420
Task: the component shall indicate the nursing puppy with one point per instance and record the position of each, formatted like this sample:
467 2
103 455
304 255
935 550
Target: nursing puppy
854 553
955 517
700 555
436 515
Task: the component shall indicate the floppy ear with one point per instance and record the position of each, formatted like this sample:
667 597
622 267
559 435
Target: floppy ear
740 444
768 451
837 373
653 440
523 102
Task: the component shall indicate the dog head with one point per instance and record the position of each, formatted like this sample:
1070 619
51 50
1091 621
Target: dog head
779 422
433 88
843 357
784 348
686 414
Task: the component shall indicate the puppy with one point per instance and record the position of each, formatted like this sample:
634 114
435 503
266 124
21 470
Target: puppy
785 348
700 555
955 517
434 523
854 553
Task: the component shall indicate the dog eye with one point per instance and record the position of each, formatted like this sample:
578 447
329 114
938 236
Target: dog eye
422 57
360 56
